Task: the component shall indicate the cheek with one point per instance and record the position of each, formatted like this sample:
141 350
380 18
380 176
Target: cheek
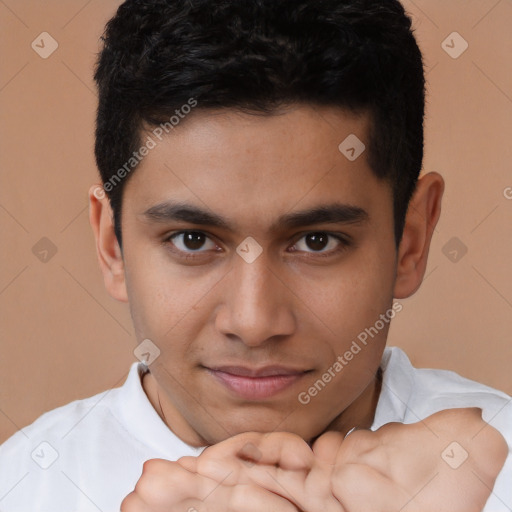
352 296
158 297
168 303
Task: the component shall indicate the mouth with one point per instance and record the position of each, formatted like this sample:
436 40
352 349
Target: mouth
252 384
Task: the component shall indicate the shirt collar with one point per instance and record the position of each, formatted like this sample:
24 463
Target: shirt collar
397 388
138 416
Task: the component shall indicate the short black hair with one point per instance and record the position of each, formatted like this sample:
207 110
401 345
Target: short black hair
256 56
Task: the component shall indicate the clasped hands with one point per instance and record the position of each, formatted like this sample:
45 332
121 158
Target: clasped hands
400 467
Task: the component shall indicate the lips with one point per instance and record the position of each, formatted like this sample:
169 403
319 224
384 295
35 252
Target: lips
256 384
261 372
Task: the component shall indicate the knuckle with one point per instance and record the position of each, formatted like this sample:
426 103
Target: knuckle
146 486
129 503
250 437
159 476
289 436
152 466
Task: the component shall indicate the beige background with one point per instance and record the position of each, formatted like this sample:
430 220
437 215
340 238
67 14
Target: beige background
63 338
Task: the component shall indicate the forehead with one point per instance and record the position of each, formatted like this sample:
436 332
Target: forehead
253 168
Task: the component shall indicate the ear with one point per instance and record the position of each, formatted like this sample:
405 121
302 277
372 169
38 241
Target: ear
107 248
421 219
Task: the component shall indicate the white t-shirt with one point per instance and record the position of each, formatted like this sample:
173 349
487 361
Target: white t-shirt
88 455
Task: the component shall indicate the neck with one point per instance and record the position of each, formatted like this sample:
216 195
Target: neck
359 413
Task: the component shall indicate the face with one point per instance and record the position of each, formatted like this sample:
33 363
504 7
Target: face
292 258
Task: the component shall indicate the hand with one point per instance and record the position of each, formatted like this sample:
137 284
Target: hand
284 463
166 486
417 467
396 467
280 462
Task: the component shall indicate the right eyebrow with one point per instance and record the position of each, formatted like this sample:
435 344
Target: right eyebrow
173 211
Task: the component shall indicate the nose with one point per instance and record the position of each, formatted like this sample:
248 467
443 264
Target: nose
257 304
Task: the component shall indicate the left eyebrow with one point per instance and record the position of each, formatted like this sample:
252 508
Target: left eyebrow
329 213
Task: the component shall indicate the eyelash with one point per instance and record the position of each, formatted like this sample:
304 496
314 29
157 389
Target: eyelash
345 243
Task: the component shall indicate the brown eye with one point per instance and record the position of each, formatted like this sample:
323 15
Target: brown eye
191 241
318 241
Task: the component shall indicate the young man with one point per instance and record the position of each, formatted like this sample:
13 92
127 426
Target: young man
260 210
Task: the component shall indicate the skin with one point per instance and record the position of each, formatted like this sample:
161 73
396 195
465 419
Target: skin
290 306
336 473
397 467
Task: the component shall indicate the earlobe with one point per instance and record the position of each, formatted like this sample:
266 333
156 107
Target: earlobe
422 216
109 253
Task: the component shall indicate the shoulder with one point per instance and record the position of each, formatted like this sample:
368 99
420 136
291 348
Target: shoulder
429 390
85 416
416 393
42 464
54 425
